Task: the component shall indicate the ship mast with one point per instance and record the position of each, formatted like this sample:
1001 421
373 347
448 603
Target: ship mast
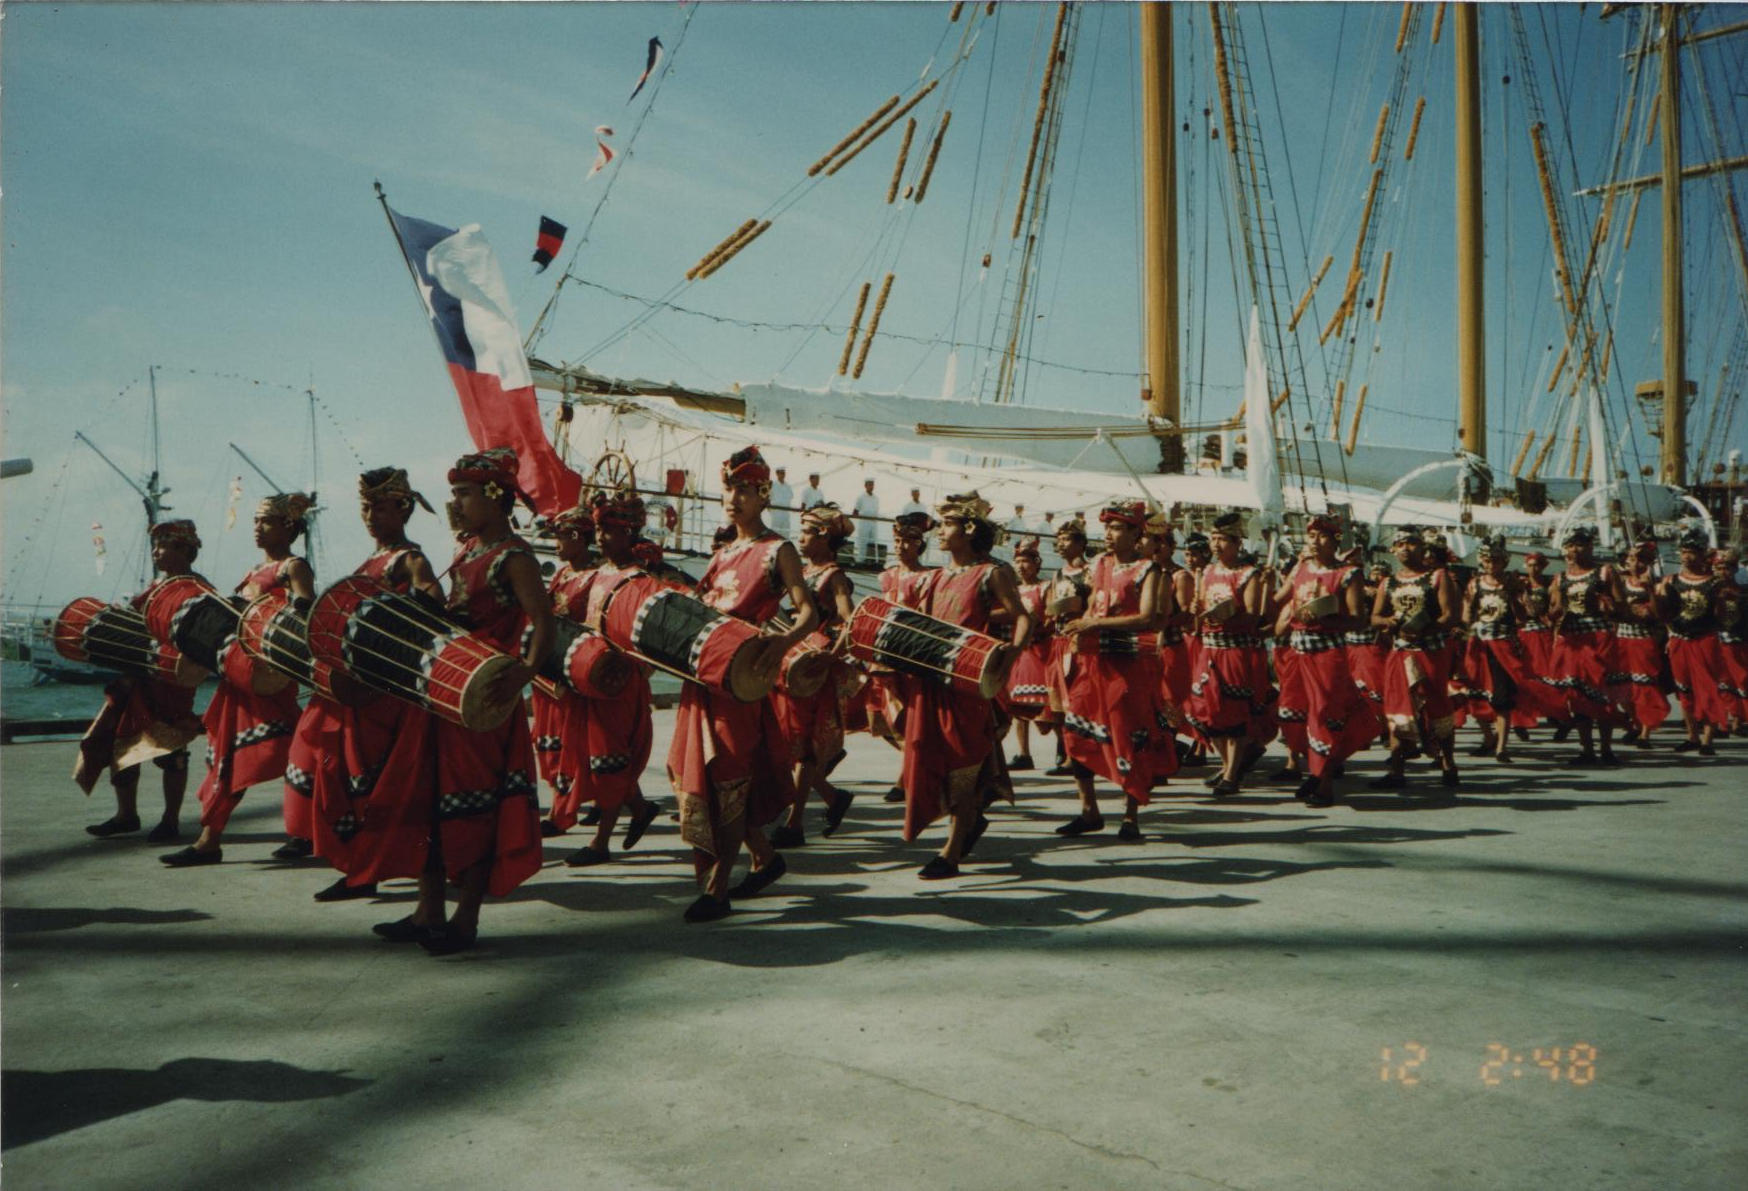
1471 356
1162 390
1674 461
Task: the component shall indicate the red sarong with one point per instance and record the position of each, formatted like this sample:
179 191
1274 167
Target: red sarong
1292 709
1417 691
1696 666
1642 670
1339 720
1578 670
248 738
141 719
1231 695
728 759
951 749
1115 724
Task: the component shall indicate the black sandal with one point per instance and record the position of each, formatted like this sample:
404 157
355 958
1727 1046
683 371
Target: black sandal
114 825
760 879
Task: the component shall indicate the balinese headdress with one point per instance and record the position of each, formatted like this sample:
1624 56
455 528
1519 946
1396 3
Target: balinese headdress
1491 548
746 468
390 482
575 520
913 525
180 532
1535 556
965 506
1406 535
1074 527
1694 538
1027 547
623 509
648 553
1132 513
1229 524
1324 523
1158 525
289 506
494 469
1579 535
1196 540
828 519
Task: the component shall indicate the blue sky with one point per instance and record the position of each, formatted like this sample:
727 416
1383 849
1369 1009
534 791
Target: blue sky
190 186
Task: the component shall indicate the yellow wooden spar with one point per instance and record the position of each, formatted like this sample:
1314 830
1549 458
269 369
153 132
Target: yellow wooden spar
1335 418
1299 310
1383 288
903 156
1414 125
879 130
735 249
1522 453
850 139
1038 120
710 257
1378 133
873 324
1353 434
855 326
922 183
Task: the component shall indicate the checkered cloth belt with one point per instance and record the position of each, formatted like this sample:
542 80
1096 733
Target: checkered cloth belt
1493 630
1584 624
1315 640
1215 639
1632 631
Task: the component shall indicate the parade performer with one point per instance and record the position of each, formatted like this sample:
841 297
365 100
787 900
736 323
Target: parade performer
1537 630
1418 604
1641 662
1733 631
953 763
729 762
145 719
1066 600
1505 690
1325 599
1690 602
1115 726
1232 703
1197 554
814 726
478 823
1582 603
1292 708
1177 599
560 748
248 736
607 742
905 583
341 757
1028 696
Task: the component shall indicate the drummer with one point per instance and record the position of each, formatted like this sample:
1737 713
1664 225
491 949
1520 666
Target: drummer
1116 726
482 820
1177 596
347 763
729 762
953 763
1068 593
558 742
1231 697
248 736
905 583
145 718
608 741
1027 693
815 725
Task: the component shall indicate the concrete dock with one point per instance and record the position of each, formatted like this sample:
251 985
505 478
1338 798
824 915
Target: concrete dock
1534 981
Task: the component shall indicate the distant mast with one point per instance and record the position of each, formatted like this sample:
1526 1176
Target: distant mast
1674 462
1162 390
1471 351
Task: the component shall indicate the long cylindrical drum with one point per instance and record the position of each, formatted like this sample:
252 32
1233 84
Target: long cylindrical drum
186 612
274 631
583 661
916 643
394 644
806 668
677 632
114 635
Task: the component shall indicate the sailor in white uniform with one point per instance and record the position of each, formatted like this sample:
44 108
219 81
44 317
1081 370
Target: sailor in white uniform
867 512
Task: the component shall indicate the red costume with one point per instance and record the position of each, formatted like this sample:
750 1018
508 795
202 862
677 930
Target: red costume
1696 664
1028 692
952 737
814 726
1417 672
248 736
1584 649
1498 673
1733 641
1338 719
345 761
1231 694
1641 666
729 758
1115 724
142 719
481 801
879 707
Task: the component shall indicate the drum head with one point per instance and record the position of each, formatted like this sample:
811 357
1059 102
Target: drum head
745 683
478 714
805 674
190 673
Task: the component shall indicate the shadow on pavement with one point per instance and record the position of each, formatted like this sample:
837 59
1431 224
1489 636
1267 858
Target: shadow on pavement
41 1104
29 920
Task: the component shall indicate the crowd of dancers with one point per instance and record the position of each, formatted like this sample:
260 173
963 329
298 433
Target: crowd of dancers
1136 664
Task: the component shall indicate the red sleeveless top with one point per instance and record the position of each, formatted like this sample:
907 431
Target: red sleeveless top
742 579
382 564
480 596
269 576
962 596
907 588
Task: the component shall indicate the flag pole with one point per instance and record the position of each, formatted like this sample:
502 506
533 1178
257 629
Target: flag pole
412 271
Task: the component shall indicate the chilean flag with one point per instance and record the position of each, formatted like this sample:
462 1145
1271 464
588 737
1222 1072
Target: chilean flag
465 295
